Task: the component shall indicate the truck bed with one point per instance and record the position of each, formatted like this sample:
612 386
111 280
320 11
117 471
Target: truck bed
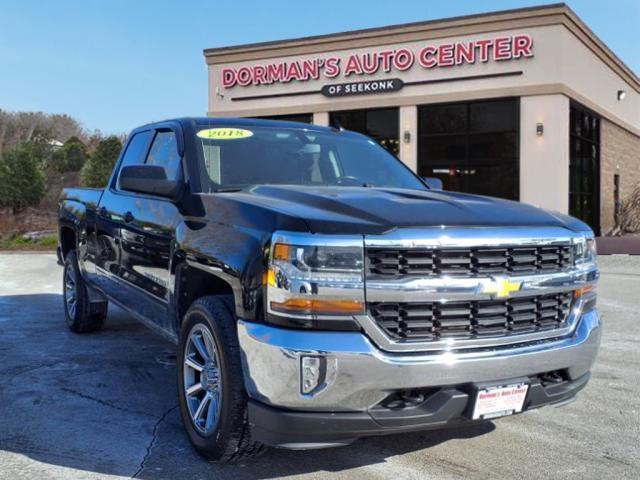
87 196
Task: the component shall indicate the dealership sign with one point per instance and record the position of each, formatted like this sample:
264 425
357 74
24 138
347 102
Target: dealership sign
362 88
444 55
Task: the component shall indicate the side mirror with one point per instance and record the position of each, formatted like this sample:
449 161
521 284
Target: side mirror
433 183
151 179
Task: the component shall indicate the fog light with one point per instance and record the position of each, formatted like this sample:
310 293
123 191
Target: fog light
310 373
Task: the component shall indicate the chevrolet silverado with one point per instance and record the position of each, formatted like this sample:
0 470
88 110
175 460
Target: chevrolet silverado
319 291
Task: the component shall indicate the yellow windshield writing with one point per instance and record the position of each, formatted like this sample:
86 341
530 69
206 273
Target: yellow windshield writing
224 133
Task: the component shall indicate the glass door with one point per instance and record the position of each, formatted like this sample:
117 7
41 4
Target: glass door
473 147
381 124
584 166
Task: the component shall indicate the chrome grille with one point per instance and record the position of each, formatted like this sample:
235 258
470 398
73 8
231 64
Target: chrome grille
472 319
469 262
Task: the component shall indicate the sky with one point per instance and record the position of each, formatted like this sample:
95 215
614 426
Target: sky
117 64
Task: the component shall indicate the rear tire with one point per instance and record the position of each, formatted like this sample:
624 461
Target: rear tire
81 315
209 367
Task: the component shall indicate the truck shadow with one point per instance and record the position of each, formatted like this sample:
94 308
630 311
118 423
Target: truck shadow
378 457
105 403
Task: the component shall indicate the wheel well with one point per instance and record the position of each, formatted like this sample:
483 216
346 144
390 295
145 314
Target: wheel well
67 240
194 283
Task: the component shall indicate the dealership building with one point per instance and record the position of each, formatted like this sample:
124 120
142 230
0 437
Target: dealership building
524 104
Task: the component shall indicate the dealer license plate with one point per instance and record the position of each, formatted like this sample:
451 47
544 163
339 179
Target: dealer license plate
499 401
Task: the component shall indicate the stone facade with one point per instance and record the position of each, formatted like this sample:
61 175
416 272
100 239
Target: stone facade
619 153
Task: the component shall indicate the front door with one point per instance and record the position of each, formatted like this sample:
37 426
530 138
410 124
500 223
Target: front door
381 124
147 234
473 147
104 240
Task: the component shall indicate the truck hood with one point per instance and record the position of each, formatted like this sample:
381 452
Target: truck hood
364 210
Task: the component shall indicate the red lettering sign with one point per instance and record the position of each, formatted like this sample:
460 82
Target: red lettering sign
353 66
429 56
332 67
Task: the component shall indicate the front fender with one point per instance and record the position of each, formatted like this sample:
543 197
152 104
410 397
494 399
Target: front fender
234 254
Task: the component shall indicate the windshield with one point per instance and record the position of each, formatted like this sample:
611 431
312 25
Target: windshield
241 157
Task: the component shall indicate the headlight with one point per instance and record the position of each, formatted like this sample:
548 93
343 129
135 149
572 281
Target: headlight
315 285
585 250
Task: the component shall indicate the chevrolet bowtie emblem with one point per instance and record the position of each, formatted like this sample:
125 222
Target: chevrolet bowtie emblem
502 288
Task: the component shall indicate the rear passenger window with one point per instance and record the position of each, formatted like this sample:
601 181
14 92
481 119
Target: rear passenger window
164 153
136 149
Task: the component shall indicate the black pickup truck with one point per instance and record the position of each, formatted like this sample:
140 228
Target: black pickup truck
319 291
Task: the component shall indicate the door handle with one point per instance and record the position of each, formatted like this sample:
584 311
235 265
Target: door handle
128 217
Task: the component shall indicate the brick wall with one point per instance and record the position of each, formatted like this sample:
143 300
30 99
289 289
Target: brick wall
619 153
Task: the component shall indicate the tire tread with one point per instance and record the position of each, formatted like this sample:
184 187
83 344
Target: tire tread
239 445
90 316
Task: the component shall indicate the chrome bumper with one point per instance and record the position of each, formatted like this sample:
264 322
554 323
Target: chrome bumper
358 375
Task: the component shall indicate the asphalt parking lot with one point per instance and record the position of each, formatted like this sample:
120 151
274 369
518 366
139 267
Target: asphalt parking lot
104 405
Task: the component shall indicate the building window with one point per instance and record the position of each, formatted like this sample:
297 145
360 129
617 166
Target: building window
584 166
294 117
381 124
473 147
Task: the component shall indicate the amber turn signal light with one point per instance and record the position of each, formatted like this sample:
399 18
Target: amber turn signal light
582 291
321 307
281 251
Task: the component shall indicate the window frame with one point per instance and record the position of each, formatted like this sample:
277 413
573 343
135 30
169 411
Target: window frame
336 121
576 108
157 131
468 134
204 182
176 128
293 117
120 164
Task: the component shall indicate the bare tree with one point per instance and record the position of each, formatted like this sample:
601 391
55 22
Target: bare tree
17 128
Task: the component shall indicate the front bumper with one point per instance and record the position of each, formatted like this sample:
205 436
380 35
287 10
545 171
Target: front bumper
357 376
444 408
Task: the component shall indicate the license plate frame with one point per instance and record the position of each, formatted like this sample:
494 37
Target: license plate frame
494 401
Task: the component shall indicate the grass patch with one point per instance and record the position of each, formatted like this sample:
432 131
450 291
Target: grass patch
18 242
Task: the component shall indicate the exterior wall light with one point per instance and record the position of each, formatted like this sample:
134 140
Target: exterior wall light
539 129
406 136
621 95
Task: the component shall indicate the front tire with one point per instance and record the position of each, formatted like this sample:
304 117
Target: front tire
80 313
213 400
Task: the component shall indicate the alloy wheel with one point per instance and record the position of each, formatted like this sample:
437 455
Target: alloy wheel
202 379
70 292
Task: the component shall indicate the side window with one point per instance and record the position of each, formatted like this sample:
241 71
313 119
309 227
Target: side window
212 157
136 149
164 152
